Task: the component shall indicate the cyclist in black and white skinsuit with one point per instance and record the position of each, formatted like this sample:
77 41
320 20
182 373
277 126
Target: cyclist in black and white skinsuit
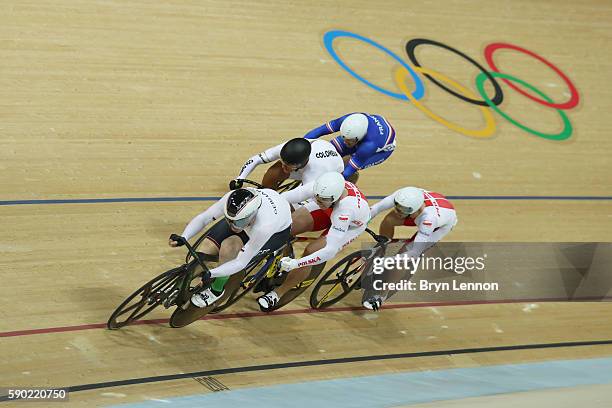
255 220
300 159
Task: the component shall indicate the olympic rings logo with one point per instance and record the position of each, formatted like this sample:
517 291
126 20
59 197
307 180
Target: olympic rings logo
485 104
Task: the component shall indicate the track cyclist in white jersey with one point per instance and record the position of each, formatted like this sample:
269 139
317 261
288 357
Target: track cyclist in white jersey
256 220
335 206
300 159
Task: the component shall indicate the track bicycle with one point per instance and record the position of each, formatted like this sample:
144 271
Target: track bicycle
175 287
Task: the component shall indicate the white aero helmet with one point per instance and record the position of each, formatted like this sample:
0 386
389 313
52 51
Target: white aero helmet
355 126
329 186
408 200
241 207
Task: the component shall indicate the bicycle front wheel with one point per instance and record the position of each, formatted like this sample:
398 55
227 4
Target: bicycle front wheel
339 280
145 299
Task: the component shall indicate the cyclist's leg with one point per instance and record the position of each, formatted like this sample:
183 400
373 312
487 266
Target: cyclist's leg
228 244
310 217
373 160
274 176
228 251
376 159
301 221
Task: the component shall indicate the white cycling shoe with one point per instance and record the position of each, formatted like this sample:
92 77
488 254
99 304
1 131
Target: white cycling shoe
268 301
205 298
374 303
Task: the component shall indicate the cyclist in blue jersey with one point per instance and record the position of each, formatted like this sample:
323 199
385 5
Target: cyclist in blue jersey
365 140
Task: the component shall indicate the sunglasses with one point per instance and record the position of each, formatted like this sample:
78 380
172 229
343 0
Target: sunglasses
294 167
326 201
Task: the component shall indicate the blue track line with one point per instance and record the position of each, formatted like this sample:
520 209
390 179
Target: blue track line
183 199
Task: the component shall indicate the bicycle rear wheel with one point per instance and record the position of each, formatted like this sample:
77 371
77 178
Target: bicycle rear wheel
339 280
150 295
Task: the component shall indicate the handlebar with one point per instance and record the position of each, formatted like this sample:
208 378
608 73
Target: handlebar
182 241
381 239
238 183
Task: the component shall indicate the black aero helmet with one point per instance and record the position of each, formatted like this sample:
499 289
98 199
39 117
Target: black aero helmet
296 152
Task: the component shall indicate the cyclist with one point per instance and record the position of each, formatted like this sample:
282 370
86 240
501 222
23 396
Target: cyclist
365 140
432 213
334 206
300 159
256 221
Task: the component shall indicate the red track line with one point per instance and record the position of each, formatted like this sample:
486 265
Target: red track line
289 312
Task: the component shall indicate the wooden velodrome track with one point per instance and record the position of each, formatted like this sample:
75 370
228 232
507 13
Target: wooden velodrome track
144 99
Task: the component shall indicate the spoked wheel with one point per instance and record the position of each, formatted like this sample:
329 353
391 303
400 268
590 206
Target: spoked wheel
338 282
162 289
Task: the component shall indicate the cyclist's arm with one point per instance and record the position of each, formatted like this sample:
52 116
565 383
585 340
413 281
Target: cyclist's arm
267 156
334 241
364 151
383 205
246 254
297 195
327 128
213 213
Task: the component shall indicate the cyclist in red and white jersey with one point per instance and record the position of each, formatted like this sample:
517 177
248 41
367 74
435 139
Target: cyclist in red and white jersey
432 213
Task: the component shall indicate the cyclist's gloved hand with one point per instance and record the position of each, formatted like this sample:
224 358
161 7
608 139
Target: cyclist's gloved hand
235 184
288 264
176 240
